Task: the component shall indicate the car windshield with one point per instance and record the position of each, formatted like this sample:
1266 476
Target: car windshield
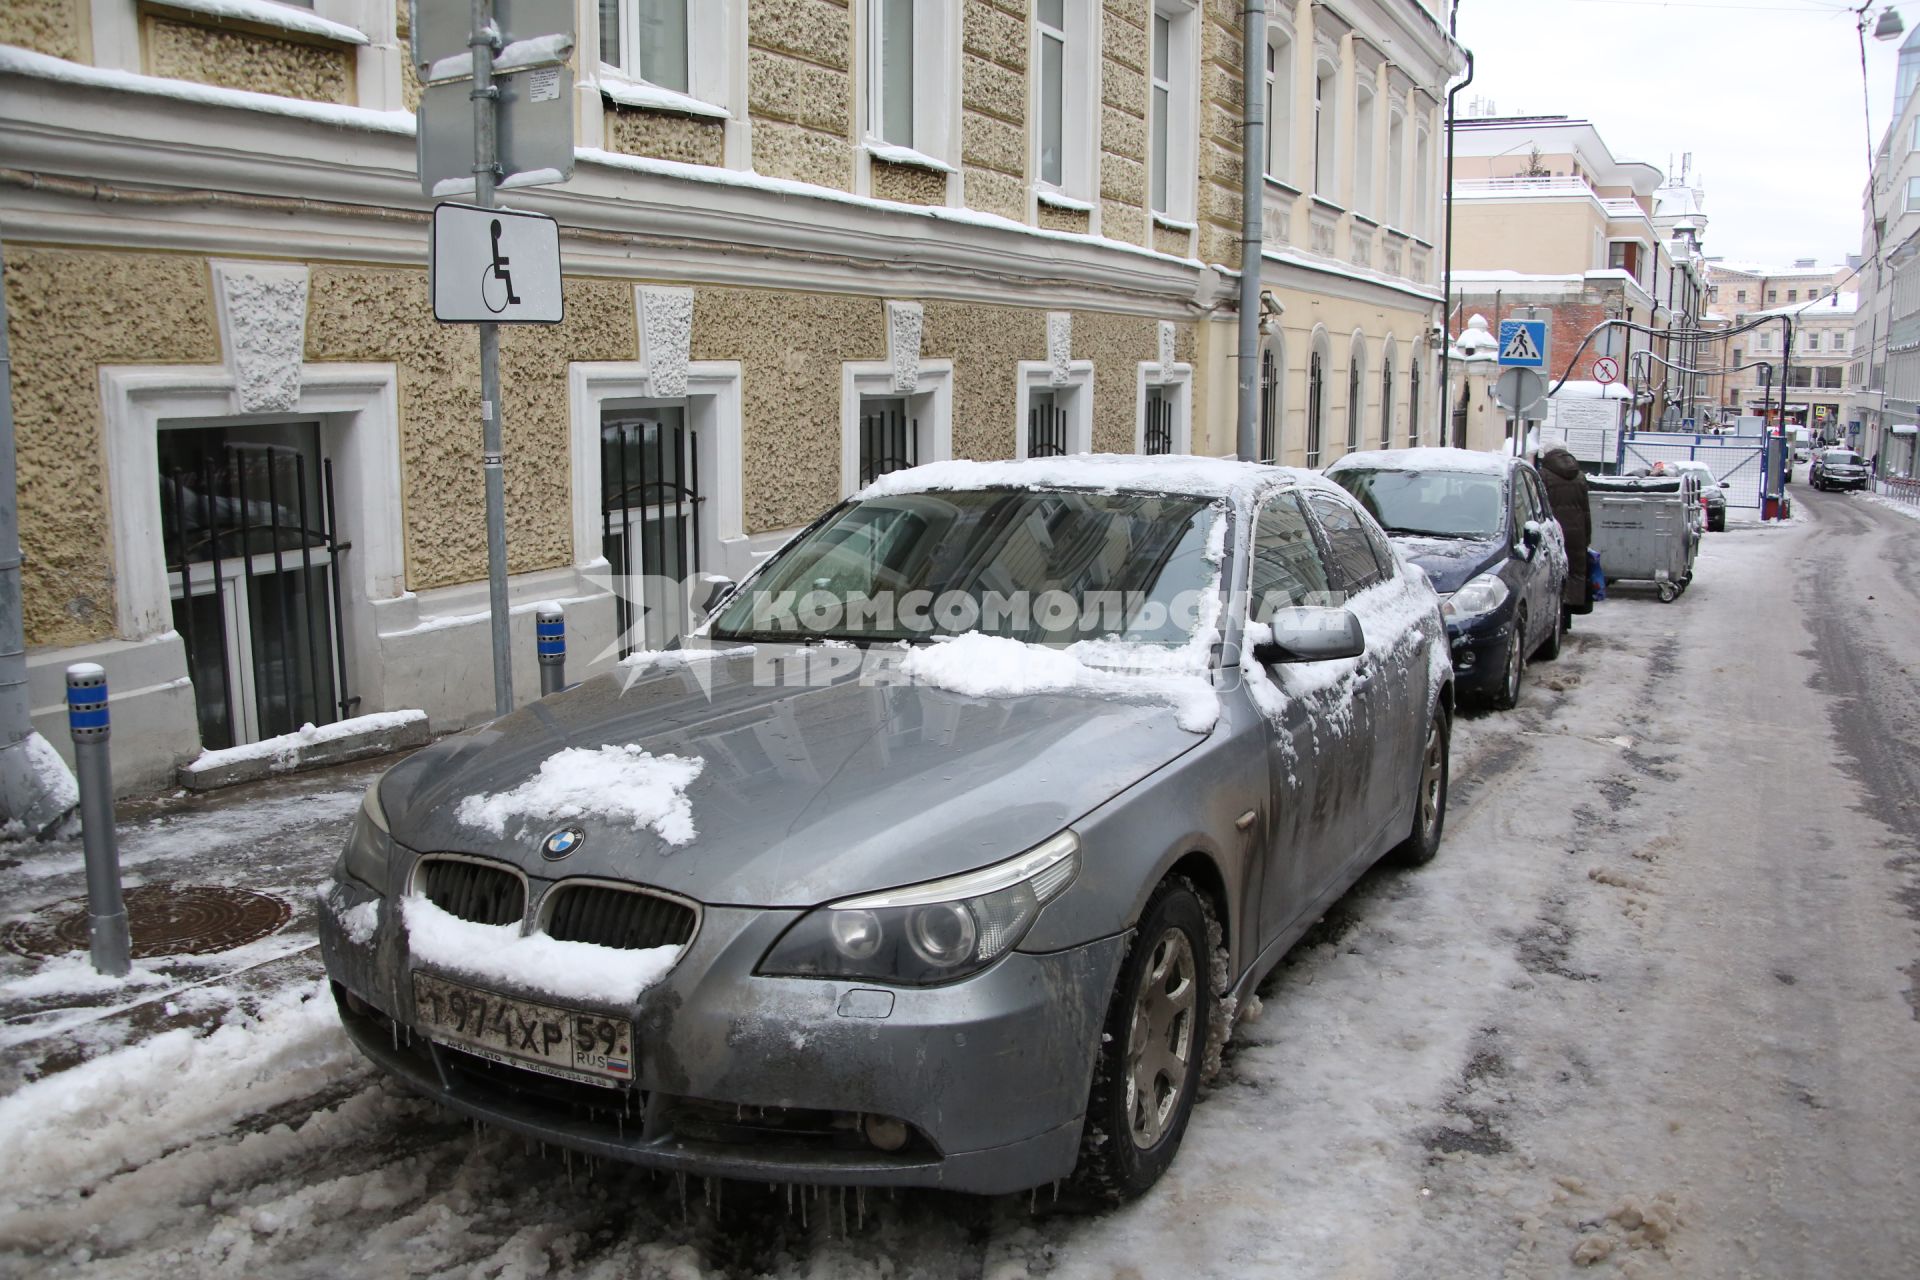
1841 457
1048 567
1441 504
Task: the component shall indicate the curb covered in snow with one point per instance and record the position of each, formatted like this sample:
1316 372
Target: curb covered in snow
308 748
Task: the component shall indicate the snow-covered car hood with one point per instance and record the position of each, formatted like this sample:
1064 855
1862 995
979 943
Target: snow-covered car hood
802 794
1451 562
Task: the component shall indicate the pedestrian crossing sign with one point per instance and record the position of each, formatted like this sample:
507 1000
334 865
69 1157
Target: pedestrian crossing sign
1523 344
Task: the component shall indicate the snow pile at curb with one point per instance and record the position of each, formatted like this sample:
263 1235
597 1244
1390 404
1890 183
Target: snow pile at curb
126 1108
619 782
285 750
501 953
1908 510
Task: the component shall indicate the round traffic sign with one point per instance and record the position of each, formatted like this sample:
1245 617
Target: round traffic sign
1606 369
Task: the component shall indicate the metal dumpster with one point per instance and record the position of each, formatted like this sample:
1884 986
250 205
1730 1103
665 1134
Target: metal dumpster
1646 529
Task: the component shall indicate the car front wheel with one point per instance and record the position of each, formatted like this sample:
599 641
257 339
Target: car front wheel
1430 808
1508 695
1148 1069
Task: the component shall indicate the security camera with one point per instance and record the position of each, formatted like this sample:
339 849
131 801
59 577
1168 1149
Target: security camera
1271 305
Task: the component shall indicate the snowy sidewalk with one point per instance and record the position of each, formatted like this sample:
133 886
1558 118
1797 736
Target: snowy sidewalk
277 838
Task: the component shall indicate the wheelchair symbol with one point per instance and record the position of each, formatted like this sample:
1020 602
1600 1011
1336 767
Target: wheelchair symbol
496 282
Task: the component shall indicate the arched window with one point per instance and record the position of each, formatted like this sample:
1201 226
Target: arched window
1356 390
1363 151
1325 120
1279 106
1272 372
1413 398
1386 396
1316 403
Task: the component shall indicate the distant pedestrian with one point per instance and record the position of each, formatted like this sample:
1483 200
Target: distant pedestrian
1567 497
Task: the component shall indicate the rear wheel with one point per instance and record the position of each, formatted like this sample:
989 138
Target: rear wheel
1430 807
1148 1068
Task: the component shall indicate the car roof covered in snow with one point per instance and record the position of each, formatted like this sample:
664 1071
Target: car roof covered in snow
1200 477
1423 460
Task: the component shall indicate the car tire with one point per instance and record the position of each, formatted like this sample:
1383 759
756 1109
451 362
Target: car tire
1430 795
1164 995
1550 647
1717 523
1507 696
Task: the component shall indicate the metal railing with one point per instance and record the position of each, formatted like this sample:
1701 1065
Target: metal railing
1901 489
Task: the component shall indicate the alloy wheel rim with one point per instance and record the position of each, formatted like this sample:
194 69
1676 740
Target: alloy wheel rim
1160 1038
1430 775
1518 643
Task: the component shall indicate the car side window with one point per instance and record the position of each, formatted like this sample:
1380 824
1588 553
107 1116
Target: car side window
1536 496
1287 567
1354 562
1517 503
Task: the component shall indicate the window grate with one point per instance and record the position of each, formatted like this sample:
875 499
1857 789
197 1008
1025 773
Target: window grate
1158 436
889 441
1046 429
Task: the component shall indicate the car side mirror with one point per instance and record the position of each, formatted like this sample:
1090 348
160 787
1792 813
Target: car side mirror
711 588
1303 634
1725 485
1531 533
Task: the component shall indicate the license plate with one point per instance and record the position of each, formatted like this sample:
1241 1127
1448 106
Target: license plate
569 1043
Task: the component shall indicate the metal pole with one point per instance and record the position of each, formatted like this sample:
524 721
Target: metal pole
1253 146
1446 269
106 909
550 642
485 171
33 788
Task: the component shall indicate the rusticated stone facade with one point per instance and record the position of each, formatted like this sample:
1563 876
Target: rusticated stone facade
993 99
908 184
986 345
246 60
665 136
1125 92
374 314
56 27
1217 198
800 90
68 313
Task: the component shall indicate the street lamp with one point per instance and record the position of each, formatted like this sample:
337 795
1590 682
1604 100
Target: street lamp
1889 26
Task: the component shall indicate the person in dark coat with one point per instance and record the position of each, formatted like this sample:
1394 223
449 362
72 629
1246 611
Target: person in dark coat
1567 497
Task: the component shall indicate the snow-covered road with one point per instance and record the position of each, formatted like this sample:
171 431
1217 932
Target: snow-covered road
1653 1009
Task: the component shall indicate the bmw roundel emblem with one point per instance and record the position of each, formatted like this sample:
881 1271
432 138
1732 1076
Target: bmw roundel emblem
560 843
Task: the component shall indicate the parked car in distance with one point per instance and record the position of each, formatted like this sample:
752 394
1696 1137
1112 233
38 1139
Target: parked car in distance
1713 494
1838 469
832 897
1480 526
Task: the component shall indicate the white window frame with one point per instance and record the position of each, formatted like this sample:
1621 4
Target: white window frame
1324 180
1420 222
1395 209
1182 85
931 403
1280 102
936 46
1179 379
712 403
1079 101
1365 156
709 62
1075 395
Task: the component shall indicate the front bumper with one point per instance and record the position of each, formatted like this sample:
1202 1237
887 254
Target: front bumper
1843 482
749 1077
1479 648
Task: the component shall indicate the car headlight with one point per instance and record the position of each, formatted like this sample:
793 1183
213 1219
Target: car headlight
368 844
1482 595
928 933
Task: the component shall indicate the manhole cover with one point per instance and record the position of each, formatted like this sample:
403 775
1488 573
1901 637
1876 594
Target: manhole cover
164 919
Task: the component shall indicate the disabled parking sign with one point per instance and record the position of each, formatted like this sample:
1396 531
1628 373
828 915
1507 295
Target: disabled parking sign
498 265
1523 344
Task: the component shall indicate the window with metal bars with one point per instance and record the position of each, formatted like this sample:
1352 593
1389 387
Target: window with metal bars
1046 425
652 513
1316 406
1269 406
889 437
1386 405
1413 403
1157 435
1354 394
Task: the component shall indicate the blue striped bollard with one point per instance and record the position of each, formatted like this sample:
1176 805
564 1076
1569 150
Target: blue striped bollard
550 634
106 908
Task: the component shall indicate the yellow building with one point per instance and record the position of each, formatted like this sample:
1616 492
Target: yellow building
804 241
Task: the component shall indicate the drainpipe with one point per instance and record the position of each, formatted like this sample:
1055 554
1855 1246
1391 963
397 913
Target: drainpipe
1253 139
36 788
1446 270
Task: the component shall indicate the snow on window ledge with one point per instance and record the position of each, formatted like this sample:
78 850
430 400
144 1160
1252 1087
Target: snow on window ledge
1061 200
1173 224
894 154
268 13
651 97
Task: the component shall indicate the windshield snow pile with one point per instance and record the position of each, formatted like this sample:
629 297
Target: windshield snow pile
621 783
1104 472
500 953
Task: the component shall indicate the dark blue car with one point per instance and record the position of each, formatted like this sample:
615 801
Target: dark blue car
1479 524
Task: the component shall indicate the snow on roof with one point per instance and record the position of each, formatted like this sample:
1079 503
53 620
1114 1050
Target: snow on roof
1192 474
1427 459
1834 304
1584 389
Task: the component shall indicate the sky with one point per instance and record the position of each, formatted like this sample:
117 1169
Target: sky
1765 95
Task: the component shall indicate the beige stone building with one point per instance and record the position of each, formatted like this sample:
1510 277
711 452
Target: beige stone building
804 241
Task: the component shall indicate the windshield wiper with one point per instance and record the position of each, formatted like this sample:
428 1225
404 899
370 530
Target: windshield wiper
1432 533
